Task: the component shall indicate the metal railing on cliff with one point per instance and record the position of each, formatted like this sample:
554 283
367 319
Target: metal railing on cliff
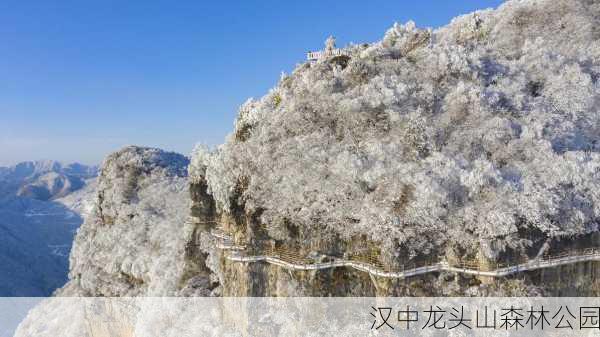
289 259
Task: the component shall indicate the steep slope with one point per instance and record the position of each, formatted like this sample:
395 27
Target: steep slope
36 238
81 201
474 143
134 241
36 232
479 140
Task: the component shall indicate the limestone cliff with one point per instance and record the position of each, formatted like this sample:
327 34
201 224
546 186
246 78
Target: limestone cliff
477 141
134 241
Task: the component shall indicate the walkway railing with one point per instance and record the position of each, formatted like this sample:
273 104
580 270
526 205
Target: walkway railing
316 55
291 260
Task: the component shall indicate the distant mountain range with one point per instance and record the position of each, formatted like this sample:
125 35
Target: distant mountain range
44 180
40 210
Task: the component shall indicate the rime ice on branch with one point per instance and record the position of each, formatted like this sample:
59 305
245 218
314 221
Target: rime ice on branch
483 134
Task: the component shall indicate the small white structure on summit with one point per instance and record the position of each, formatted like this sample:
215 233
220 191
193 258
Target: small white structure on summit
330 51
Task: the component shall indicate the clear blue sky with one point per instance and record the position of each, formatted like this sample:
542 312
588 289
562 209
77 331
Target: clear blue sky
79 79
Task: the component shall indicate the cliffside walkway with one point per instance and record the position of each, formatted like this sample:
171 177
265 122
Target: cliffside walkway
437 267
290 260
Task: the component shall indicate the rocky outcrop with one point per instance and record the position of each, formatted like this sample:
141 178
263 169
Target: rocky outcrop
134 242
477 141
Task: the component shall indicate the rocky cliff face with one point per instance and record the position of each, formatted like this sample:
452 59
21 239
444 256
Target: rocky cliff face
135 239
478 142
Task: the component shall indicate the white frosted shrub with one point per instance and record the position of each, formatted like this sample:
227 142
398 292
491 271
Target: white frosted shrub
464 134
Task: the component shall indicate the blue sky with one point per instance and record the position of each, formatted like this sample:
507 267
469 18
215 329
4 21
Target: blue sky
79 79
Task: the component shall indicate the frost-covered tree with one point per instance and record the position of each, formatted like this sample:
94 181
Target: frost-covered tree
463 134
133 241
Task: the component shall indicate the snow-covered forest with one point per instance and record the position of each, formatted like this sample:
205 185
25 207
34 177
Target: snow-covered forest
466 133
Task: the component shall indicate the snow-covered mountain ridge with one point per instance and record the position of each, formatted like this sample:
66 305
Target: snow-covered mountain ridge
36 226
44 180
478 141
468 134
